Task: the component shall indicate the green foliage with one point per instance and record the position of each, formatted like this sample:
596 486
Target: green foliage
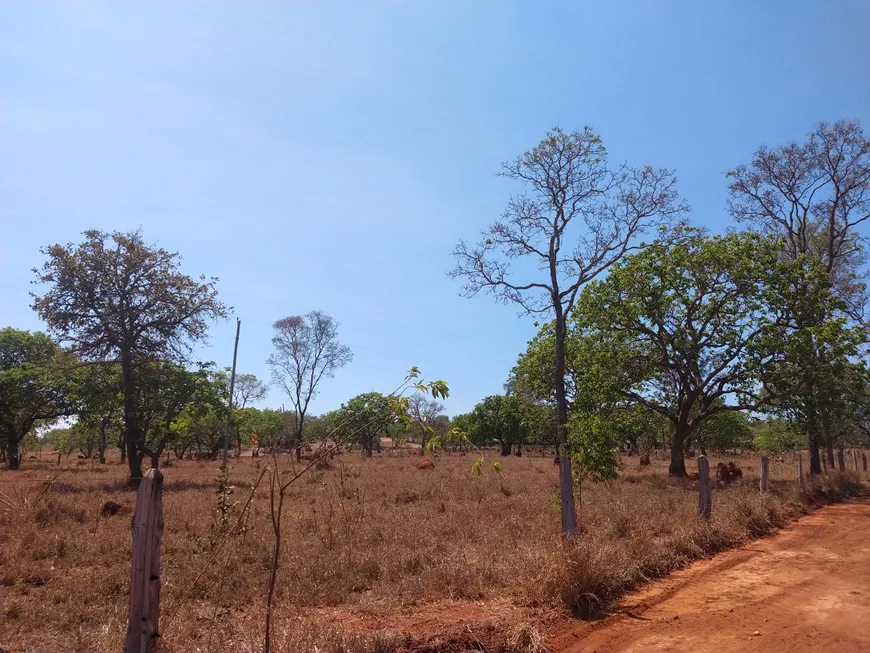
777 435
679 327
181 406
36 386
115 297
60 439
726 430
363 418
497 418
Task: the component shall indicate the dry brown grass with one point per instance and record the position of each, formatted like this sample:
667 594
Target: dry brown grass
373 549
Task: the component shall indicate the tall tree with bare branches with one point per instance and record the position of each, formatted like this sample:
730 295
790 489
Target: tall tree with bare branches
815 196
307 350
578 216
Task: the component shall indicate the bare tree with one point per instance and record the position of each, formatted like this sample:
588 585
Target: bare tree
578 217
815 195
306 351
248 388
424 413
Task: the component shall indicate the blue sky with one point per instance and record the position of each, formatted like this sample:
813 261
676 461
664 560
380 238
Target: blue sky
329 155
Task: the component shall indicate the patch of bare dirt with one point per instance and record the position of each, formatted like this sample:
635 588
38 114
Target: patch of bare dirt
803 590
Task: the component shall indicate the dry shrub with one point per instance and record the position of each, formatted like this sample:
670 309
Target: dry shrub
525 638
367 536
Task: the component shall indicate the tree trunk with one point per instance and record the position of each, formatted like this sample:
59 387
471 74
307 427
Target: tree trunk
131 420
841 459
827 435
134 462
678 462
12 452
815 457
103 443
505 448
566 484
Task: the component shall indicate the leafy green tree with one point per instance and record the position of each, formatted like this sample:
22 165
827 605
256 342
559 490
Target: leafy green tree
100 404
600 417
579 216
638 429
725 430
307 350
680 327
776 435
814 195
270 427
114 297
498 418
364 418
35 387
61 440
166 391
84 438
247 389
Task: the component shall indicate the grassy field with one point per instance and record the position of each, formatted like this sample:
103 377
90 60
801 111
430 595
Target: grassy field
376 555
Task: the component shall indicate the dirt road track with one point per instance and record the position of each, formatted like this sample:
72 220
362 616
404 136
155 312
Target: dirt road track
806 589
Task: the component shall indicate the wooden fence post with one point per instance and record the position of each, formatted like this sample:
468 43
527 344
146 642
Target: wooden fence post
824 461
705 498
855 459
764 467
142 630
841 460
800 469
864 461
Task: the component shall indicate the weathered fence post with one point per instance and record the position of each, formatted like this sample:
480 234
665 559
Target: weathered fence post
824 461
705 498
864 461
763 484
855 459
800 469
142 631
841 460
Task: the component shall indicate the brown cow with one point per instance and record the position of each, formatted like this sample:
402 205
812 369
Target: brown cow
726 474
644 460
425 463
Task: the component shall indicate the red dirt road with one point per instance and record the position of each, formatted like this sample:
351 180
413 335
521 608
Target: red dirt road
803 590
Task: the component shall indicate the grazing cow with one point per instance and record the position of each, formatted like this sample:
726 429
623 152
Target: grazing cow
644 460
425 463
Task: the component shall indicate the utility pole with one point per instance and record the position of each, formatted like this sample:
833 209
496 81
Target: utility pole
232 388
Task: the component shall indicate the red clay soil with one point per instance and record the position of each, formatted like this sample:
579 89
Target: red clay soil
803 590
